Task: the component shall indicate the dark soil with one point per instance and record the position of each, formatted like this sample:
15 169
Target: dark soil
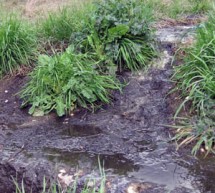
130 137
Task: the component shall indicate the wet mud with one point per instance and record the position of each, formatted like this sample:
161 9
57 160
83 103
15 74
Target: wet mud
130 136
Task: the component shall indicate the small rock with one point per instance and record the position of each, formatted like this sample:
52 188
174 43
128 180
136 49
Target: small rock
63 171
38 113
90 184
202 150
65 179
79 173
137 187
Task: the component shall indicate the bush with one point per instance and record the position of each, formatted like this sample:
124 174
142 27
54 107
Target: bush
65 81
17 44
119 33
196 80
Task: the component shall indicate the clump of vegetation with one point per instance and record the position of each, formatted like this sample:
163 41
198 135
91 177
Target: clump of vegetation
17 44
120 35
196 80
59 26
177 8
116 35
64 81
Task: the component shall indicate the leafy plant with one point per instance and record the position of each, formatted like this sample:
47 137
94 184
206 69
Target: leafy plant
196 81
119 32
65 81
17 44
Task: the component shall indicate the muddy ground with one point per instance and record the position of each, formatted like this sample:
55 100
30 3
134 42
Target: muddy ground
130 136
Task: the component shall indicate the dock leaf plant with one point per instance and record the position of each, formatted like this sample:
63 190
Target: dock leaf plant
120 34
65 81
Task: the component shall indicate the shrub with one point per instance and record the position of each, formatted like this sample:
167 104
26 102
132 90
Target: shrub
65 81
17 44
196 80
119 32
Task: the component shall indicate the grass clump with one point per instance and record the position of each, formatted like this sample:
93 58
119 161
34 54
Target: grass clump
120 35
178 8
196 80
59 26
17 44
66 81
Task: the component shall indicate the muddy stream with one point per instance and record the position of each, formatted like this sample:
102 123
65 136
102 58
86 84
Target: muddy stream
129 136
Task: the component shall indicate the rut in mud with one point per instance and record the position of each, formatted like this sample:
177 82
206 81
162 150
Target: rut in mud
129 136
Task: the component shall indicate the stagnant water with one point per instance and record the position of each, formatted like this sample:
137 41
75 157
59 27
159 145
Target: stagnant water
130 136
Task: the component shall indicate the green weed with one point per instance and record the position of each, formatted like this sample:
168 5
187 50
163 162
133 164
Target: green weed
197 131
17 44
65 81
196 81
120 35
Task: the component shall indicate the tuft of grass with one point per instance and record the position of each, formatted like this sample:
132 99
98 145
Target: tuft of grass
18 44
177 8
61 25
196 131
196 81
64 81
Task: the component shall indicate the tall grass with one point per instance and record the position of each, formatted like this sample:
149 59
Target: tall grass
177 8
196 81
17 44
61 25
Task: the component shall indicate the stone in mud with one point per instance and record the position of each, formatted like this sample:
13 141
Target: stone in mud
138 187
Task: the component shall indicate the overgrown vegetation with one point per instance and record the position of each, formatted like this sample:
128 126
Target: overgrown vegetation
116 36
120 34
196 80
108 37
17 44
64 81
